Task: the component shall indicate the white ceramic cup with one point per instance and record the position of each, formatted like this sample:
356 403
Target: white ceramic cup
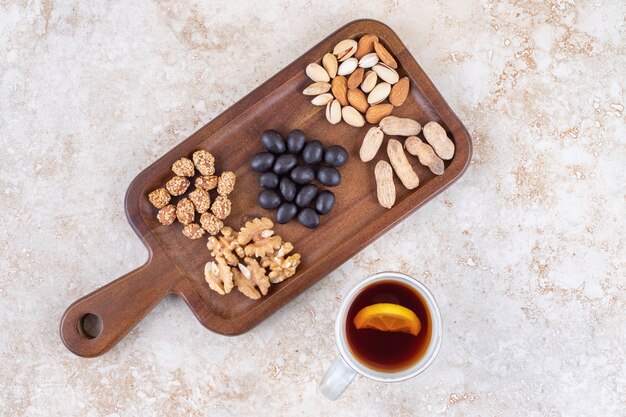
342 372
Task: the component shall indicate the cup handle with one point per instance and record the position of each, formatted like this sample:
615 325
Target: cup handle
337 379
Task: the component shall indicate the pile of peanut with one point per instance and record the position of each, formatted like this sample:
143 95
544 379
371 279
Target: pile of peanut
242 259
198 200
439 147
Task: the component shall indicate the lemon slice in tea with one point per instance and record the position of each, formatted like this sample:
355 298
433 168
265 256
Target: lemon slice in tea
388 317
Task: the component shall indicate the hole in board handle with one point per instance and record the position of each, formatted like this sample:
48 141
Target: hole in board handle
90 326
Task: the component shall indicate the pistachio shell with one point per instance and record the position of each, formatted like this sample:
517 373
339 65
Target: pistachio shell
369 81
369 60
345 49
329 62
317 73
379 93
352 116
316 89
333 112
322 99
348 66
386 73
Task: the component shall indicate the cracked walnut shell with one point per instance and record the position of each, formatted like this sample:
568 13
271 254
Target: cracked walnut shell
226 183
159 198
185 211
183 167
177 185
201 200
221 207
167 215
204 161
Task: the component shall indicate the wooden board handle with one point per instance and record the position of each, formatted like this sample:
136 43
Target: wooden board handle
95 323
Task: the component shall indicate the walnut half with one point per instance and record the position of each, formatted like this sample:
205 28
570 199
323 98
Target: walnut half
256 274
280 267
263 246
219 276
244 285
252 230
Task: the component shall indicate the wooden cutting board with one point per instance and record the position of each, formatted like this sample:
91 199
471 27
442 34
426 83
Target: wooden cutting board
176 264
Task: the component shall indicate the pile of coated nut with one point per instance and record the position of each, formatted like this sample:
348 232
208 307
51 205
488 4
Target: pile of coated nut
199 200
355 80
288 168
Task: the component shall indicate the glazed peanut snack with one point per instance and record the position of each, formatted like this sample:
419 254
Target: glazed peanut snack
167 214
221 207
193 231
183 168
195 199
242 259
206 182
185 211
177 185
226 183
204 161
159 197
210 223
200 199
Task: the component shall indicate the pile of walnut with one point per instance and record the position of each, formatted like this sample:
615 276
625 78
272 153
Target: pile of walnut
242 259
198 200
439 147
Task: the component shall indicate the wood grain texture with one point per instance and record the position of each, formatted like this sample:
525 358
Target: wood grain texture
176 263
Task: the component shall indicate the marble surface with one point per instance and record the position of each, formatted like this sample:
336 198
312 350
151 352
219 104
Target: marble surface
525 253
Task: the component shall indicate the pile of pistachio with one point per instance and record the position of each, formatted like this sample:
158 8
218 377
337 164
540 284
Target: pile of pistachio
357 82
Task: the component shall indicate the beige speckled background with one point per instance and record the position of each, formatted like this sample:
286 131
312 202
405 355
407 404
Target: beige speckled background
525 253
